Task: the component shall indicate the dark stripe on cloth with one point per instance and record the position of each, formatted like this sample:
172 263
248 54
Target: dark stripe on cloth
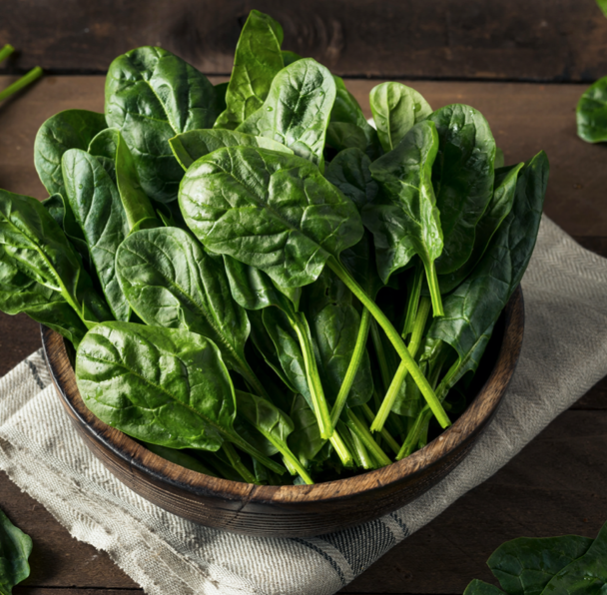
326 556
35 374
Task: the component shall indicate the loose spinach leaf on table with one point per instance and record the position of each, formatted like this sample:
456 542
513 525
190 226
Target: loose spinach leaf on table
70 129
170 281
477 587
272 211
396 109
191 146
96 204
164 386
524 566
150 96
257 60
15 549
462 178
591 113
297 109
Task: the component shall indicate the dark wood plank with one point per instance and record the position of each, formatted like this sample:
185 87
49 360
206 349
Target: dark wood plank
19 336
595 398
21 590
507 39
555 486
57 559
525 118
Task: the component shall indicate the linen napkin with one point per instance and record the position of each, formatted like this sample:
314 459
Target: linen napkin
564 353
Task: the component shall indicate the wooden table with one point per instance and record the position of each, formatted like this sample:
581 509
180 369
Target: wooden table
556 485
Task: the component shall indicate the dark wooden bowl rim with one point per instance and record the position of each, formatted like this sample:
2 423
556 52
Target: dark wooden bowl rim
135 455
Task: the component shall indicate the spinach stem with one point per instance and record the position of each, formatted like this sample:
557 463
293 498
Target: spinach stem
6 51
319 402
393 444
291 459
341 449
416 338
25 80
382 360
413 300
433 286
251 450
364 459
414 435
237 464
357 355
359 428
394 338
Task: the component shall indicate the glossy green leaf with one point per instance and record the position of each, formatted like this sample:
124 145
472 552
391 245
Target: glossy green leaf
220 96
170 281
524 566
497 210
297 109
150 96
463 179
70 129
113 153
96 204
396 109
360 262
472 309
350 172
587 574
272 211
38 247
15 549
591 113
477 587
404 219
290 57
165 386
305 441
257 60
191 146
342 135
20 293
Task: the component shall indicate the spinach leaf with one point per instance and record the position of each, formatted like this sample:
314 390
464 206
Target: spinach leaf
38 247
59 209
272 211
257 61
472 309
477 587
305 441
191 146
113 153
150 96
220 96
273 424
587 574
15 549
96 204
70 129
179 458
404 218
463 179
524 566
497 210
342 135
350 172
20 293
289 57
591 113
164 386
170 281
396 109
297 109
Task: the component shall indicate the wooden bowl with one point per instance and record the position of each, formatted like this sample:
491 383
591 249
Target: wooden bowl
290 511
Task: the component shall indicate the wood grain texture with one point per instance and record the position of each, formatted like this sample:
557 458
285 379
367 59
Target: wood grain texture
524 118
295 511
505 39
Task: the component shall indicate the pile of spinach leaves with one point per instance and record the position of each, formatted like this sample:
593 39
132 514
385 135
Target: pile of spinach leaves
260 284
547 565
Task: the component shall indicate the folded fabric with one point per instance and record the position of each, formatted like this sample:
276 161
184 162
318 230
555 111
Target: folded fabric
564 353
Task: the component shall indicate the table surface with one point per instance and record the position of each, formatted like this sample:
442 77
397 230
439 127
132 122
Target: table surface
556 485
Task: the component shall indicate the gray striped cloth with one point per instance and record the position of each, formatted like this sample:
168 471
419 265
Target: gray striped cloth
564 354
